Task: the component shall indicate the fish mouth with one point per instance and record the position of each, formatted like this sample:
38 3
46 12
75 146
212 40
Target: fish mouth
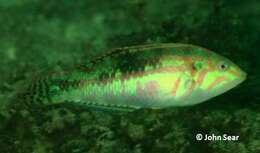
242 78
230 85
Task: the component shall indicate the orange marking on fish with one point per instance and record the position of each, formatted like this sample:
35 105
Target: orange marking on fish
209 61
198 58
149 89
189 89
176 86
201 76
235 73
152 88
210 64
189 61
216 82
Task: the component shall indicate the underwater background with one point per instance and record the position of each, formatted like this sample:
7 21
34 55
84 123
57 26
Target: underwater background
42 36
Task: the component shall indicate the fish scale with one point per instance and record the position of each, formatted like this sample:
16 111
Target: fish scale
146 76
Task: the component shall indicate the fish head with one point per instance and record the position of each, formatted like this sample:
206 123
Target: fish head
214 75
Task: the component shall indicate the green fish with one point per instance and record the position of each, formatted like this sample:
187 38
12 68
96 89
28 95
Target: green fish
149 76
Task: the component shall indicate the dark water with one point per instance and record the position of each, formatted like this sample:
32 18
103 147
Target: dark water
39 36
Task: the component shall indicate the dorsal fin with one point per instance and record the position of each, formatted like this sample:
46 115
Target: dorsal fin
127 49
130 49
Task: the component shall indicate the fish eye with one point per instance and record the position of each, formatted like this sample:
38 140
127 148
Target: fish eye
223 66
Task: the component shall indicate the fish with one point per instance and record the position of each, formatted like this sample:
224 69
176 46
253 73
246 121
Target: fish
153 76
